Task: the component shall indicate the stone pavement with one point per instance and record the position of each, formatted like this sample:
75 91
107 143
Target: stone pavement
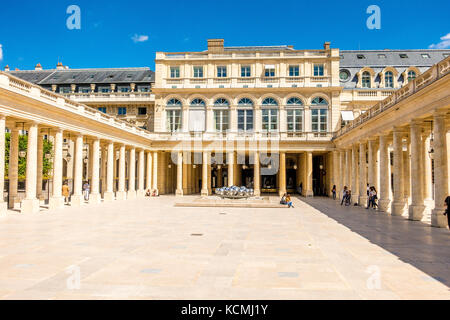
148 249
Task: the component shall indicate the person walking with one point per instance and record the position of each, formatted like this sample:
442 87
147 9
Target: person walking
344 194
447 211
333 191
289 201
65 192
86 189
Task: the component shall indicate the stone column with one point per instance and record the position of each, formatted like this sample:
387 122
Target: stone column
362 175
40 166
355 173
372 163
399 201
440 171
230 163
3 204
427 180
407 172
132 175
417 207
309 174
155 172
148 184
95 196
57 201
256 175
205 167
141 169
76 199
104 156
282 174
179 192
385 175
348 168
13 172
336 172
219 177
121 193
31 204
109 194
342 173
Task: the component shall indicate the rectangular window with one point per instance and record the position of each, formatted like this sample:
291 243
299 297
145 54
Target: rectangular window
221 120
245 120
319 120
125 89
64 90
270 72
245 71
269 119
222 72
142 111
84 90
105 90
121 111
198 72
102 109
318 70
295 120
174 72
143 88
173 120
294 71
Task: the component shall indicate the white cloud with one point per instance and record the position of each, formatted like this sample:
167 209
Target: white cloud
1 52
139 38
444 44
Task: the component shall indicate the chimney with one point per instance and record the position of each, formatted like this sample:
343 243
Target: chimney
215 45
7 68
59 66
38 67
326 46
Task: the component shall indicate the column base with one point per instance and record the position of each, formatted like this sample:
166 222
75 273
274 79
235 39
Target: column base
131 195
397 208
204 193
12 200
76 200
438 219
95 198
140 194
309 193
108 196
179 192
121 195
415 213
362 201
56 203
281 192
30 206
384 205
257 193
3 207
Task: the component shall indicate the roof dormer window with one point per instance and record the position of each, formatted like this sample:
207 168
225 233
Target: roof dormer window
360 56
403 55
425 56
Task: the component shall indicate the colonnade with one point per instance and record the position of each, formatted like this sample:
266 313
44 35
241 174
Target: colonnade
402 165
102 167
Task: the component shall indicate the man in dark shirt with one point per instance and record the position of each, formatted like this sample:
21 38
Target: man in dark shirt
447 212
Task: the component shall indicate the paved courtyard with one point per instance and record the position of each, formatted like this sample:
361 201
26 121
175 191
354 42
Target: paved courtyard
148 249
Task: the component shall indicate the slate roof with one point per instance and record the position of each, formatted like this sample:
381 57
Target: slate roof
259 48
86 76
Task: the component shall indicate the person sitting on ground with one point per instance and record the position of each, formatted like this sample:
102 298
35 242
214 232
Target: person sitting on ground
155 193
289 201
148 193
283 199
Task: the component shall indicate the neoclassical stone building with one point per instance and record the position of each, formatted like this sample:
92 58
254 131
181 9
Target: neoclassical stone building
269 117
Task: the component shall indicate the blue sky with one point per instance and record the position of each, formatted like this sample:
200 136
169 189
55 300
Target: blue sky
35 31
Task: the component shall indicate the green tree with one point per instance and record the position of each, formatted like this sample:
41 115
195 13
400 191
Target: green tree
23 144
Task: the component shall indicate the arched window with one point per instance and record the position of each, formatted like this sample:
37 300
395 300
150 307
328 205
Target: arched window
366 80
389 79
221 114
294 101
173 113
294 112
411 75
269 115
245 102
198 103
319 115
174 103
269 102
221 102
245 115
